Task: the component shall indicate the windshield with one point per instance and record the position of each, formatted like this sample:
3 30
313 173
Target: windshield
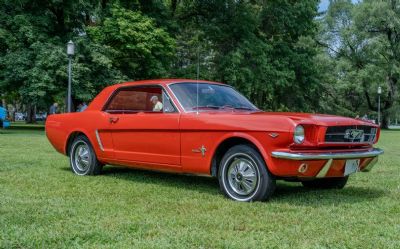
210 96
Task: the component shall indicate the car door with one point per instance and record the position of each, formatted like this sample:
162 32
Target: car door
140 134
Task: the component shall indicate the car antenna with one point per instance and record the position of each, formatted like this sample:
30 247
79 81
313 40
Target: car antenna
197 81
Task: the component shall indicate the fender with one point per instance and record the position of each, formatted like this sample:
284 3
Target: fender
245 136
84 132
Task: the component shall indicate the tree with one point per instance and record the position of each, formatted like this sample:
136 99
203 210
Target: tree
32 53
380 21
141 50
363 39
264 48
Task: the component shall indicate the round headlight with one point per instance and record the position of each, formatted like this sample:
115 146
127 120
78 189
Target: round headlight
298 136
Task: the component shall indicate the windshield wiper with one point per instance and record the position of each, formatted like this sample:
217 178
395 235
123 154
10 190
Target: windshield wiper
223 107
244 108
206 107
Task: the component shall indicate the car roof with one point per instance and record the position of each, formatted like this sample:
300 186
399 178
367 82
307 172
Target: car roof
98 101
163 82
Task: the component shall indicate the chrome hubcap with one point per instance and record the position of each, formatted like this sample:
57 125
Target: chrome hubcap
242 176
82 157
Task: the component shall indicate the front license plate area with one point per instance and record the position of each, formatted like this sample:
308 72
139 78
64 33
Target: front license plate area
351 166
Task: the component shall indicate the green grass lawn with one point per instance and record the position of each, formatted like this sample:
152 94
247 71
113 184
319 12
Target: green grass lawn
44 205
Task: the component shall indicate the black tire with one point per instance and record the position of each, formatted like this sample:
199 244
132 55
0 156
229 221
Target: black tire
84 161
256 184
326 183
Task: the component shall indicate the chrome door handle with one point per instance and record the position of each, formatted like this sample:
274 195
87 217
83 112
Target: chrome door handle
113 120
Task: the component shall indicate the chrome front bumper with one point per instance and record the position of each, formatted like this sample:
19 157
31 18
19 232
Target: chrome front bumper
326 156
373 153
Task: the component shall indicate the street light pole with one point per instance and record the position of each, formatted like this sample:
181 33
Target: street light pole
70 53
379 105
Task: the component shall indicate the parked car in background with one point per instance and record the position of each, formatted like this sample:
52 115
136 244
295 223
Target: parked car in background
4 122
41 116
208 128
19 116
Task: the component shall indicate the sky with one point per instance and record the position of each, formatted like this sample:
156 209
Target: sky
323 5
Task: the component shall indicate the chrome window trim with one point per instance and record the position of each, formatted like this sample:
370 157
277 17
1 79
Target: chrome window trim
209 83
103 109
179 103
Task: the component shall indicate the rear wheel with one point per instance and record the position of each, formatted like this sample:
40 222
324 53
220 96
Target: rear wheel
243 175
83 159
327 183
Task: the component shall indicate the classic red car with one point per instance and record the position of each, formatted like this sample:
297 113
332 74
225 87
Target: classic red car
208 128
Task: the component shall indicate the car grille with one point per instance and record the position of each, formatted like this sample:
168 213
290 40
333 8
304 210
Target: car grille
350 134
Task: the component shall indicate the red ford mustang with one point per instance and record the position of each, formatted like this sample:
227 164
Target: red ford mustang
208 128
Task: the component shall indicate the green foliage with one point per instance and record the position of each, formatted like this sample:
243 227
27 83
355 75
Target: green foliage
92 69
33 61
363 44
141 50
264 48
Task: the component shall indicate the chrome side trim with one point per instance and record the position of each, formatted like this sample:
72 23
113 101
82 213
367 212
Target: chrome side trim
322 173
321 156
99 140
370 165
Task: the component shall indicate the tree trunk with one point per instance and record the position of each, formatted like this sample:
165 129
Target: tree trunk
31 114
385 120
174 4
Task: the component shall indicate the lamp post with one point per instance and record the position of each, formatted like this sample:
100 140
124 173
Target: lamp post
70 53
379 105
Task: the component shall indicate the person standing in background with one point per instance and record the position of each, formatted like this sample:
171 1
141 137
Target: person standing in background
83 107
53 109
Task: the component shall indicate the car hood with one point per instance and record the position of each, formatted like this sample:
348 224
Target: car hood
262 121
317 119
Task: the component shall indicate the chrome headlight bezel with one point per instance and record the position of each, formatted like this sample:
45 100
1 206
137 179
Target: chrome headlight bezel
299 134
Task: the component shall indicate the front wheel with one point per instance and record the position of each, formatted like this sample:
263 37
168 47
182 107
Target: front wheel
83 159
326 183
243 175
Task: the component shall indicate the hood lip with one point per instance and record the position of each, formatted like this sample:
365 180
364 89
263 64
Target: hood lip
297 118
322 119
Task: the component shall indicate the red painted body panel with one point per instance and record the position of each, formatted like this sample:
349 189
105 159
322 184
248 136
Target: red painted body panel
168 141
143 138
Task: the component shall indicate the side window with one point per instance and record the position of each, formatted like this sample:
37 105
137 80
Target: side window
139 99
167 102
